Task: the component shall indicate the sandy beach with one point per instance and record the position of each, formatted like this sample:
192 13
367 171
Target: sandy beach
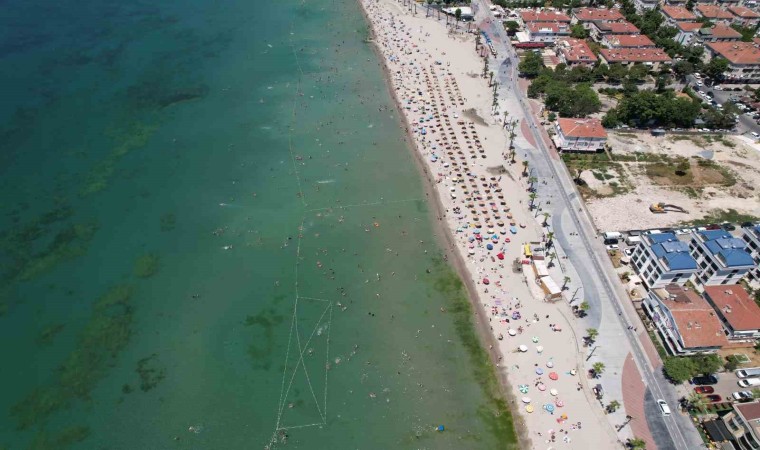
434 73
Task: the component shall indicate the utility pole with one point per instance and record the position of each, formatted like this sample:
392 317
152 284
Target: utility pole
627 421
592 352
576 291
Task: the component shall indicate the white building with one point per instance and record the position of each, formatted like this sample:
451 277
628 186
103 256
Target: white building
586 135
645 5
751 236
547 31
661 259
722 258
687 324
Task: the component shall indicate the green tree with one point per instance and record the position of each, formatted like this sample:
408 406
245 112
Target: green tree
678 369
531 65
638 72
707 364
683 68
591 334
458 15
748 33
565 281
696 401
716 68
616 73
636 444
511 26
732 363
578 31
598 368
613 406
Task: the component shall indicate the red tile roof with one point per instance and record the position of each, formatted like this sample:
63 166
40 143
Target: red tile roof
714 12
624 55
678 13
722 31
629 40
589 14
576 50
750 411
622 27
737 52
743 12
545 27
689 26
543 16
696 320
582 128
735 305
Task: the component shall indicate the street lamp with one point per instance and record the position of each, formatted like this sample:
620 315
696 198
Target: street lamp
592 352
576 291
627 421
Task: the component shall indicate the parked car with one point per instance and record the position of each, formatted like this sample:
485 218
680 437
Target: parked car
613 247
714 398
705 379
663 407
628 251
743 396
683 231
728 226
713 226
704 390
747 224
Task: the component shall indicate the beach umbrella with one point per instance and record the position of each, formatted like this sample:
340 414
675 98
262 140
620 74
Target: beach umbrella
523 348
541 387
553 376
553 392
540 349
529 408
512 332
471 251
573 372
534 339
513 230
489 247
523 388
500 256
526 399
485 281
549 407
559 403
539 371
440 428
550 364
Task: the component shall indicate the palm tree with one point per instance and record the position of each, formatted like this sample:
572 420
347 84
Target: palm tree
490 79
584 306
506 113
598 368
551 259
525 168
591 334
566 280
549 238
532 197
427 9
613 406
458 15
636 444
697 401
546 219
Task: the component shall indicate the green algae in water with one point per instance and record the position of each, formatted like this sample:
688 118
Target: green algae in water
60 441
69 243
168 222
146 265
106 333
150 372
48 333
264 324
495 412
132 137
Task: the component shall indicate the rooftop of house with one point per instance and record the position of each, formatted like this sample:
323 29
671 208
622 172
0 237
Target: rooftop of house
589 14
621 27
720 31
689 26
743 12
629 40
547 27
713 12
576 50
695 319
737 52
675 255
728 249
678 13
735 305
543 16
582 128
750 411
634 55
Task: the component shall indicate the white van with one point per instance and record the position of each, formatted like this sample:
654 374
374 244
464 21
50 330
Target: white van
749 372
633 240
747 382
663 407
612 235
653 232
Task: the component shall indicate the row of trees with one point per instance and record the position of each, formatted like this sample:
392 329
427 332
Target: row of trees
681 368
564 97
650 109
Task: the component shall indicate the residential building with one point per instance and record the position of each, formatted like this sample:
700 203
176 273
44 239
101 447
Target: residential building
751 236
687 32
721 257
714 13
627 41
574 52
743 60
600 28
720 32
546 31
529 16
736 310
661 259
675 14
744 16
743 422
686 322
652 57
586 16
645 5
585 135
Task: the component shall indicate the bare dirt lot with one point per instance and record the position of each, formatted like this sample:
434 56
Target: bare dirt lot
712 177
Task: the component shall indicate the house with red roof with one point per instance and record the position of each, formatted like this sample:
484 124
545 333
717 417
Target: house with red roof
687 324
714 13
736 310
601 28
627 41
586 16
743 59
675 14
744 16
575 52
652 57
720 32
580 135
543 15
547 31
687 32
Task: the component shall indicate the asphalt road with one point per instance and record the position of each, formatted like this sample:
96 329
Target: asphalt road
746 124
600 283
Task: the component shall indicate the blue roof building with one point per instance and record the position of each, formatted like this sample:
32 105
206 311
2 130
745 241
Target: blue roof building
751 237
661 259
722 258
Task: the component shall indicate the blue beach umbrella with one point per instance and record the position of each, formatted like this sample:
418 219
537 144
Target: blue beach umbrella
489 247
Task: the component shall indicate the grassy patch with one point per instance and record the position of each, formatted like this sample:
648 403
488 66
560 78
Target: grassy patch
146 265
674 173
724 215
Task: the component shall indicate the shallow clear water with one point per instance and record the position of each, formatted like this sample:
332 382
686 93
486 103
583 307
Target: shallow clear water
213 236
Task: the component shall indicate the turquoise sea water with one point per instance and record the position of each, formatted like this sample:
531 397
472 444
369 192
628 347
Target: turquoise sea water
214 236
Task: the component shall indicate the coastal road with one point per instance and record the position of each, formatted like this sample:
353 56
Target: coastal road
588 257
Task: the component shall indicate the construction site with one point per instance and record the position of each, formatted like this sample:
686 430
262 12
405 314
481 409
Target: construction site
671 180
